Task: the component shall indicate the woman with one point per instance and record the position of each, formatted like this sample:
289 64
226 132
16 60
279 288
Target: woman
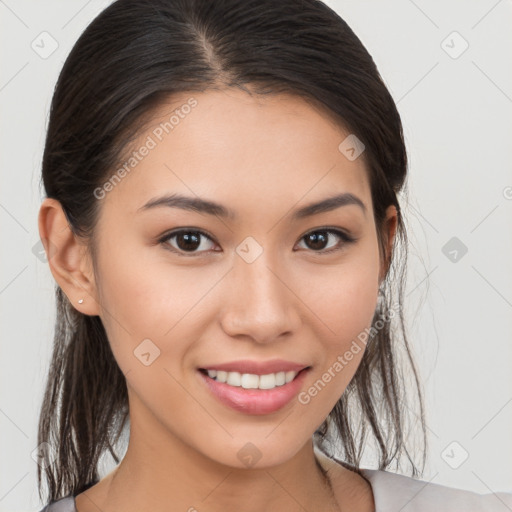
222 223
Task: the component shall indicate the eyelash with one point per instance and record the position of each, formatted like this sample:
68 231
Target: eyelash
347 239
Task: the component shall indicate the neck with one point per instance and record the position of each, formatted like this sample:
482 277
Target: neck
150 478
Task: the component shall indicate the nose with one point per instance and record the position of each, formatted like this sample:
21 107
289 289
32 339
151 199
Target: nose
259 304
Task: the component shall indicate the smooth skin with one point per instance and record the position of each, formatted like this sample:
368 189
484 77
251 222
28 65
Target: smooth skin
263 158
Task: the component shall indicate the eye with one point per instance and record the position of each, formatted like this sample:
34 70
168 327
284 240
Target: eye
187 241
190 240
318 239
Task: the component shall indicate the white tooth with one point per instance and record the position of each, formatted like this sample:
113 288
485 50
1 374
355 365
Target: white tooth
267 381
280 378
249 381
290 376
233 379
252 381
222 376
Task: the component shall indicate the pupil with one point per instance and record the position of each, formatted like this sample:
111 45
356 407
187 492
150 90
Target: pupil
189 239
315 237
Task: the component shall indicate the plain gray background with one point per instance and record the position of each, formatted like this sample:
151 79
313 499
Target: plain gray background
447 65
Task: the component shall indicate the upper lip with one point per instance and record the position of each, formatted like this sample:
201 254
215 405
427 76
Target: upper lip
257 367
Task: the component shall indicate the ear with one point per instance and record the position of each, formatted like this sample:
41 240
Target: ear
390 224
68 258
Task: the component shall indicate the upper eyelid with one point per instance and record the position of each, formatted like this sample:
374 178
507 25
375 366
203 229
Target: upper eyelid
211 237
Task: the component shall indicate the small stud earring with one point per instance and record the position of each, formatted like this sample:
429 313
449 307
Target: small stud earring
80 301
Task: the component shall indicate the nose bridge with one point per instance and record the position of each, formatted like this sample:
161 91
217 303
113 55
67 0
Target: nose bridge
260 305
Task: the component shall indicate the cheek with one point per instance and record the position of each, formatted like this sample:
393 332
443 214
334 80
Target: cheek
347 311
344 296
150 299
140 291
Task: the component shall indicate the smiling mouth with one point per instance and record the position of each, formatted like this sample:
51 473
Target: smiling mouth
251 380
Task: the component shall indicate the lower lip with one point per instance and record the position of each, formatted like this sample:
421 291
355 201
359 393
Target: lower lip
255 401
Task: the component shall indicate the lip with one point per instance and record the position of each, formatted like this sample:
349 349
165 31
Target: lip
257 367
255 401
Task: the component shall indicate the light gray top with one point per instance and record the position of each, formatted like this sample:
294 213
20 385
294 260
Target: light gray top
393 493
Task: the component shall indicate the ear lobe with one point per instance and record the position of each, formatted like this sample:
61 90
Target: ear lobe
68 257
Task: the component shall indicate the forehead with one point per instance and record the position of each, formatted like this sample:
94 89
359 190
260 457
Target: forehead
243 150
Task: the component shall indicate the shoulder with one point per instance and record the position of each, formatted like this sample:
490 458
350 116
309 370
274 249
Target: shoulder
66 504
394 492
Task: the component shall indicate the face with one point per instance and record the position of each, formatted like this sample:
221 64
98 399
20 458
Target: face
250 282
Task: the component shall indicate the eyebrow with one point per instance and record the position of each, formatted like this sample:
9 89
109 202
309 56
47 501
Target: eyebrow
212 208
